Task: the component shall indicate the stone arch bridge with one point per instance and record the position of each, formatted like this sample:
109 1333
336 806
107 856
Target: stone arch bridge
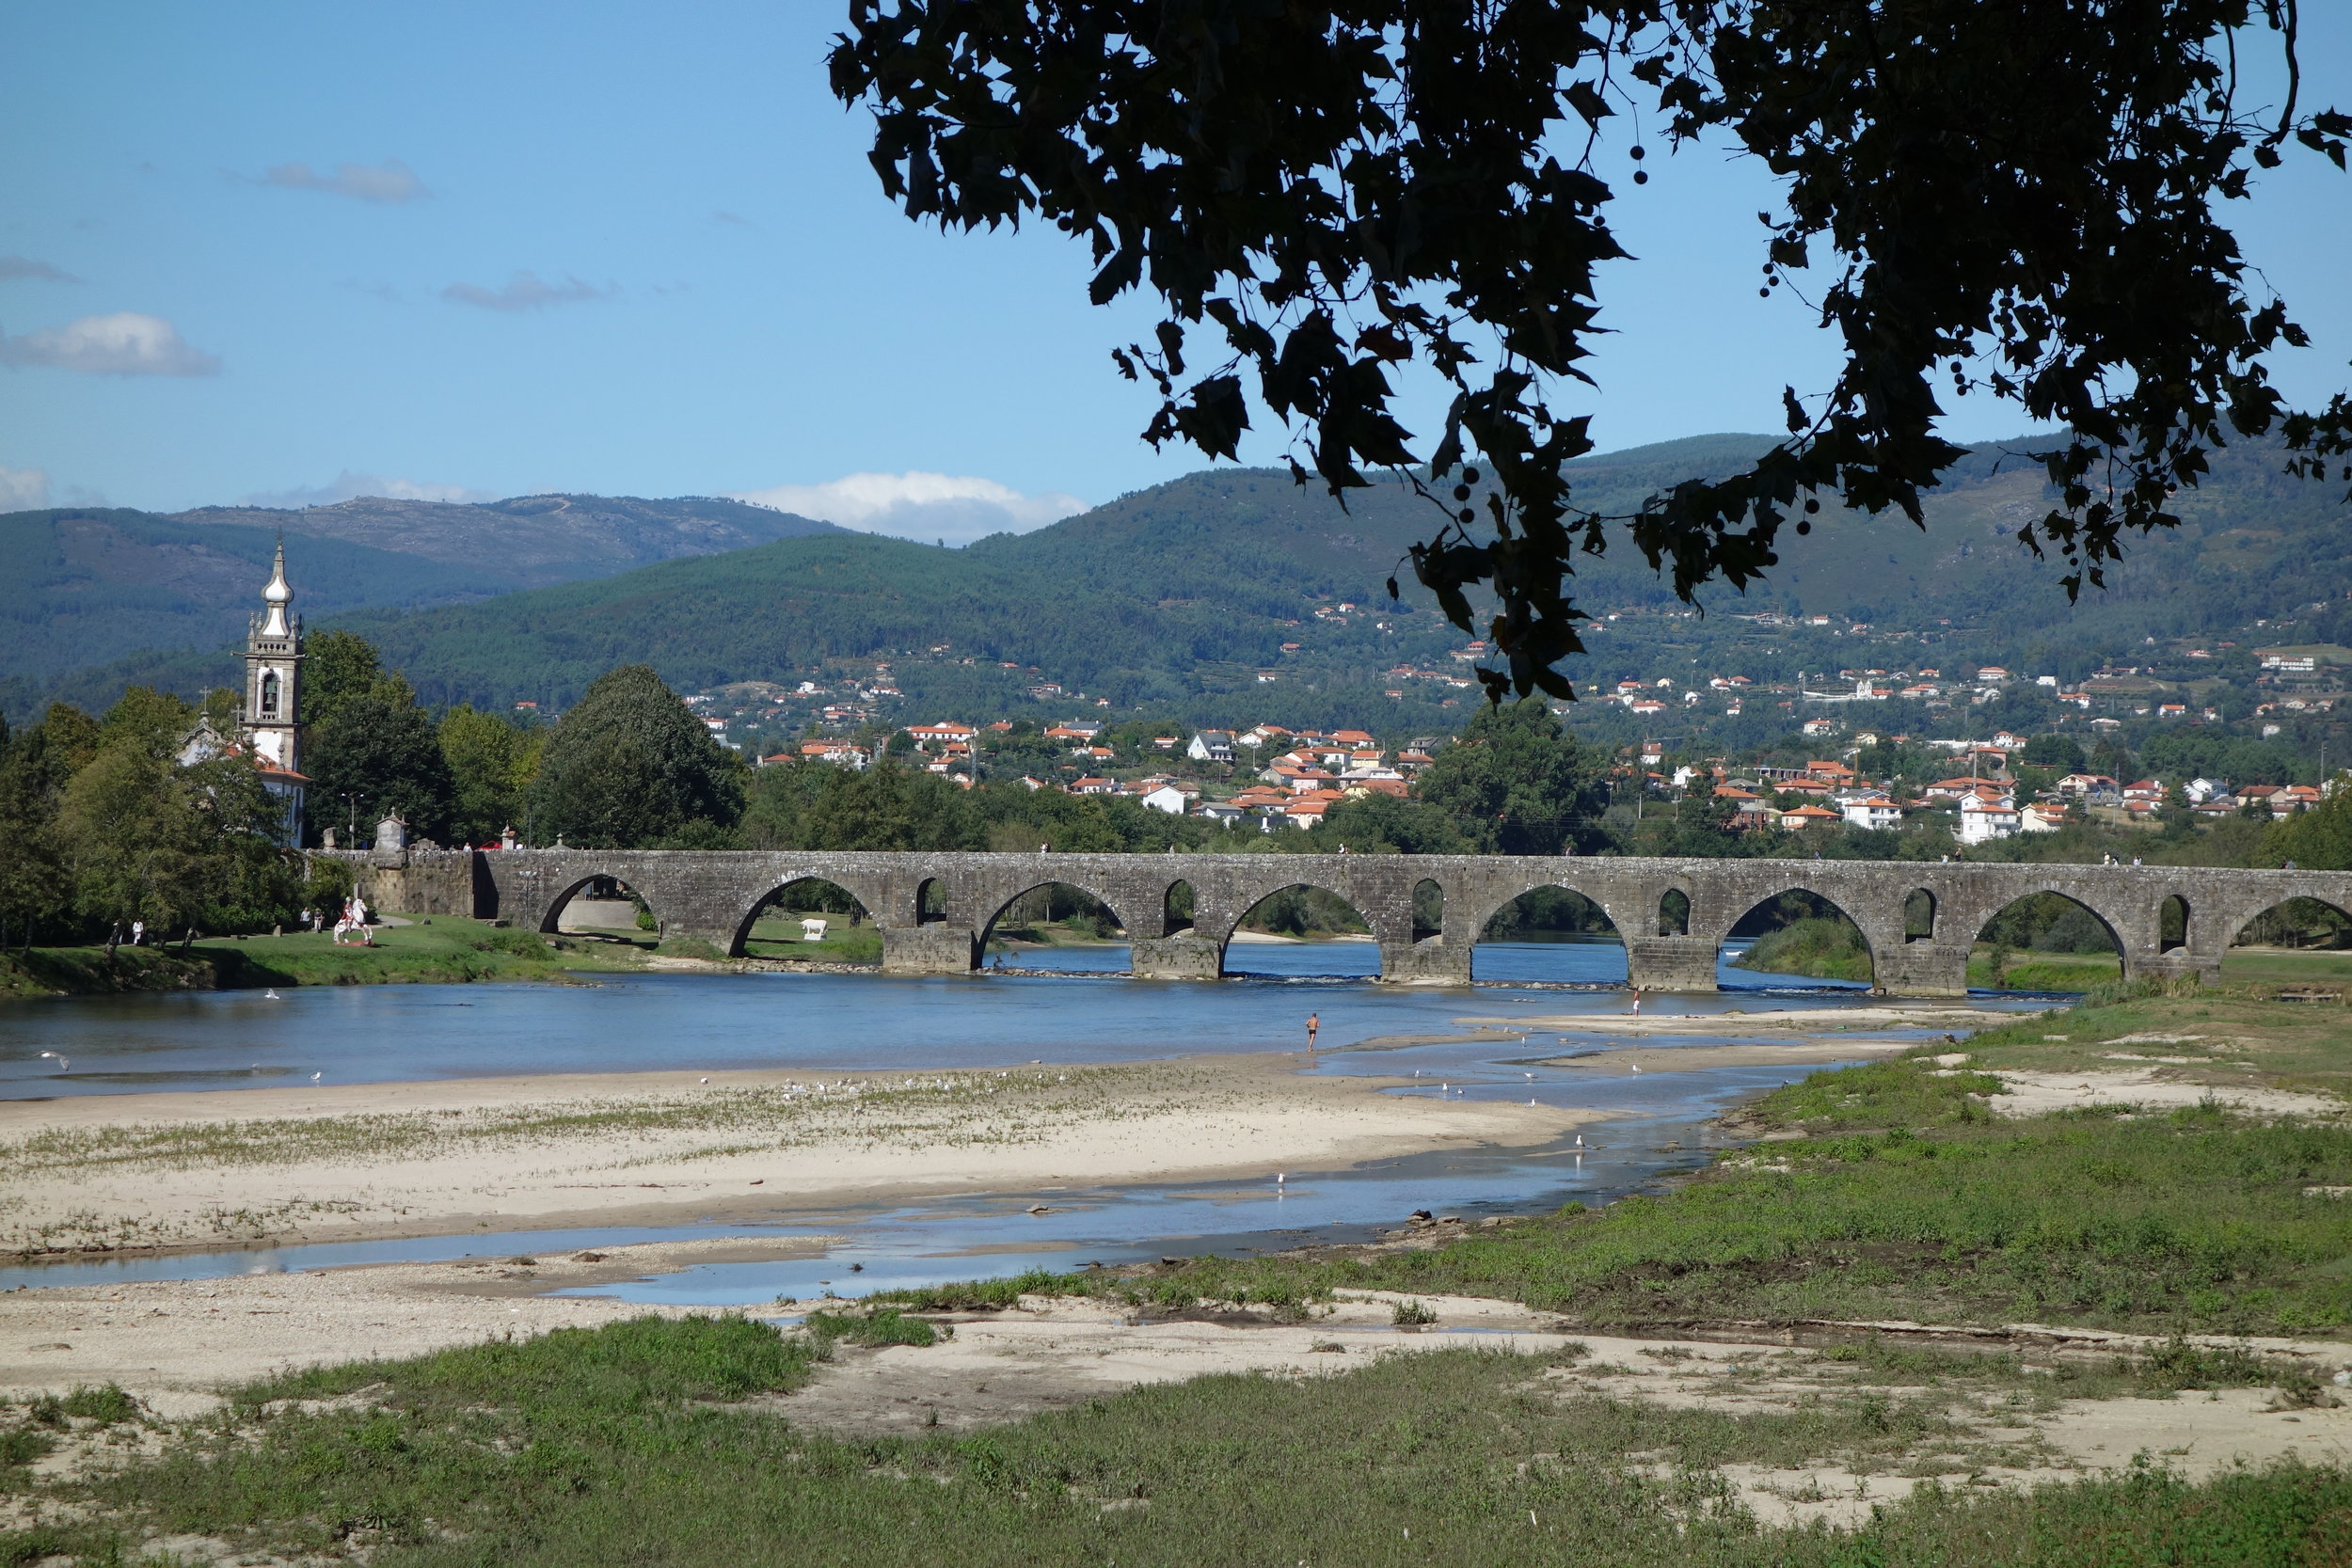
935 911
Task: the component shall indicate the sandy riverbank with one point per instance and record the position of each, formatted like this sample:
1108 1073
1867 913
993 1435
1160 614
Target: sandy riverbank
111 1173
1953 1017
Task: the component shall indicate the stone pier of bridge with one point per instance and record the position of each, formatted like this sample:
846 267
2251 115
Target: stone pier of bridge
936 911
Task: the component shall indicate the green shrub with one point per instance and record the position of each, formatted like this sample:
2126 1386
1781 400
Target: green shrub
108 1405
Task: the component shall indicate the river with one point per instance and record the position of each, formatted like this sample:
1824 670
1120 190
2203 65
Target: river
214 1040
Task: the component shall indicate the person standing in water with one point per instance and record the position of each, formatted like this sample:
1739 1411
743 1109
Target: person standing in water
1637 1003
1313 1022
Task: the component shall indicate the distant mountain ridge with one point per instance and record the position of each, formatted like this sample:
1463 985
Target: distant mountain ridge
1189 592
86 586
530 541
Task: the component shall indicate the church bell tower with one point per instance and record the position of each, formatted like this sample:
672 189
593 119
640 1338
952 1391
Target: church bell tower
273 675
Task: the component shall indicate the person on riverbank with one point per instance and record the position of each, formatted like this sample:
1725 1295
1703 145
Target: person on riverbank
1313 1022
1637 1002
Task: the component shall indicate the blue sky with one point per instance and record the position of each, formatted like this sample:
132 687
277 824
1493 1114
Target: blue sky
485 251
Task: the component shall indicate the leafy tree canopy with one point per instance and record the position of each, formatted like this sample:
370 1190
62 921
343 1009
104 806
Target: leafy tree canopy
629 767
2018 197
1518 784
378 754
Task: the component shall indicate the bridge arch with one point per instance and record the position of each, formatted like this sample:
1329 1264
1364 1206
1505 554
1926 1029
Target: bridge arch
1428 909
598 888
1919 910
1292 910
2293 922
1802 932
1178 906
808 895
2057 925
1550 931
1049 899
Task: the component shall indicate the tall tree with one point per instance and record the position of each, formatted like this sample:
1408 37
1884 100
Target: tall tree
338 667
486 767
629 767
1518 783
378 754
2019 197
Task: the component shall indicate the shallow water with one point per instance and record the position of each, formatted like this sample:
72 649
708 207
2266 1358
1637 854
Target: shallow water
701 1023
152 1043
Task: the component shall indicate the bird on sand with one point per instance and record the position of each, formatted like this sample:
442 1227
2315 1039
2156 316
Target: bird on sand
1637 1066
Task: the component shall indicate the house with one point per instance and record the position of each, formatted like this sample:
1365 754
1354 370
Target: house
2094 789
1224 813
2041 818
1986 817
1830 772
941 734
1167 797
1030 781
1075 729
2149 790
842 754
1798 818
2296 797
1211 745
1095 787
1819 726
1355 788
1875 812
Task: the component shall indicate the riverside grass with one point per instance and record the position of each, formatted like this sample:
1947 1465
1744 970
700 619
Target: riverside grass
649 1442
447 950
1890 1192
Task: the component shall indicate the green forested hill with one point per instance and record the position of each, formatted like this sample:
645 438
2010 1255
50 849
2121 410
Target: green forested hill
1186 593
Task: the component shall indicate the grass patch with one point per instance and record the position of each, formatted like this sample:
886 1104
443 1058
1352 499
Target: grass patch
1824 949
628 1443
884 1325
449 950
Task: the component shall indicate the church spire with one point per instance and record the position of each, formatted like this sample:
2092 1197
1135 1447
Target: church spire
277 596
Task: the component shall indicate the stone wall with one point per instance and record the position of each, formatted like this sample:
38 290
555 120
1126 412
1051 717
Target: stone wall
714 893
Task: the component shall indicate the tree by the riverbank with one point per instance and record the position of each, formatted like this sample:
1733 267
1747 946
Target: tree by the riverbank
104 824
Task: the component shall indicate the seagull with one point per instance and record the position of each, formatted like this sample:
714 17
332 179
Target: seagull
62 1063
316 1076
706 1080
272 997
1637 1066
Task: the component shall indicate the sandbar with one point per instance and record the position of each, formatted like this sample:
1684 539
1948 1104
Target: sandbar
111 1174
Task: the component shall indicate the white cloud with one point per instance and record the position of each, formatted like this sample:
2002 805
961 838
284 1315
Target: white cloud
348 485
13 267
920 506
23 489
392 180
124 343
525 291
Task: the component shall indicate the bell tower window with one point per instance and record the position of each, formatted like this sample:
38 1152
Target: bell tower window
269 695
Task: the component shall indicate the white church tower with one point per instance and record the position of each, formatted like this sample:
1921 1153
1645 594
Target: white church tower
273 676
